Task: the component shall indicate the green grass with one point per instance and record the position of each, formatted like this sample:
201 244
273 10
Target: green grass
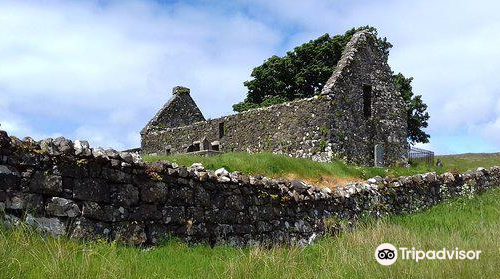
469 224
463 162
273 165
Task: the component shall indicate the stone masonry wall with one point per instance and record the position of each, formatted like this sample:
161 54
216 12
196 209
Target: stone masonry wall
67 188
301 129
364 66
180 110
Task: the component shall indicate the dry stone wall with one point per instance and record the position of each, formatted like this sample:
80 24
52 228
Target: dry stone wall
67 188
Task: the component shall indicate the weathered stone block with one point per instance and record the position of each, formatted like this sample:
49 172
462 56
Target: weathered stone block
88 229
15 202
201 197
34 203
303 227
106 213
3 196
196 214
222 230
183 172
236 241
154 192
82 148
10 221
52 226
235 202
62 207
145 212
4 141
94 167
174 214
263 227
217 200
73 168
198 231
225 216
262 213
91 189
125 194
243 228
116 176
9 179
181 196
130 232
156 233
46 183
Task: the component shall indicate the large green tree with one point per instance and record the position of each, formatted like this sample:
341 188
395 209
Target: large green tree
303 72
417 116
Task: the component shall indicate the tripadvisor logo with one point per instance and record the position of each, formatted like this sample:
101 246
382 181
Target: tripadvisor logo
387 254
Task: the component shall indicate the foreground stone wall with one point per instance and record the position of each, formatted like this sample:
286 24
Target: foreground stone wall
407 194
67 188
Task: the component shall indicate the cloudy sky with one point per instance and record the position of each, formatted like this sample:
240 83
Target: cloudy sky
99 70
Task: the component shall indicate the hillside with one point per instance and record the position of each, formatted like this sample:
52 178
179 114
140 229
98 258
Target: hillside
324 174
462 162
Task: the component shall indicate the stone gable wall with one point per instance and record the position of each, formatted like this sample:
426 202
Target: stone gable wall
66 188
364 64
180 110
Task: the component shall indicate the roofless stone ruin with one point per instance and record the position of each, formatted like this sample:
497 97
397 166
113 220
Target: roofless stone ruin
358 111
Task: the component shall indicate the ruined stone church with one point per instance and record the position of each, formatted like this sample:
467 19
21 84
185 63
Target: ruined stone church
359 116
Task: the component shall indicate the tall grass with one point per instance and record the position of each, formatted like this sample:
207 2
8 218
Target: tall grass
469 224
273 165
463 162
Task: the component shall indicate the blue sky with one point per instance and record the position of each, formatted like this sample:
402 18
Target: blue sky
99 70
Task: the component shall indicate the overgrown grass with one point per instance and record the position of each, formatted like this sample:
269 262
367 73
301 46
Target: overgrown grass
273 165
469 224
463 162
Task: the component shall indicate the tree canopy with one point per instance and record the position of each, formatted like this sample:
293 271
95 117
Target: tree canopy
303 72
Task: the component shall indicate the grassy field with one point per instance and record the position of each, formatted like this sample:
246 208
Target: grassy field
469 224
463 162
323 174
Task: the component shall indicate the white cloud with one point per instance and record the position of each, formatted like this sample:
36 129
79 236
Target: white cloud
104 70
18 126
11 122
491 131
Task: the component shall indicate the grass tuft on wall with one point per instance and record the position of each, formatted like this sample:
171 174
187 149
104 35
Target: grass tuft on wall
322 174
